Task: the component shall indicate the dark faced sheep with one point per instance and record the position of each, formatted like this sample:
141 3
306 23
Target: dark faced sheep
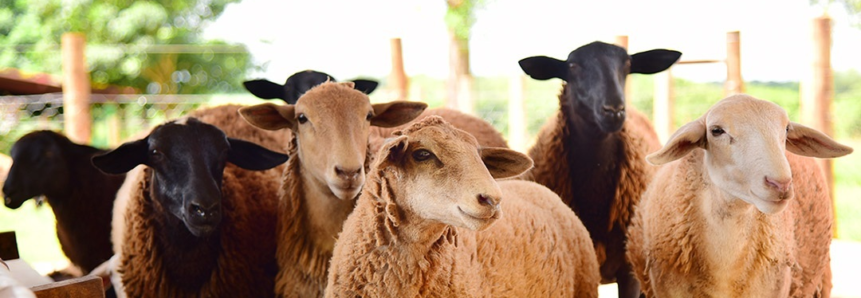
590 154
299 83
195 225
46 163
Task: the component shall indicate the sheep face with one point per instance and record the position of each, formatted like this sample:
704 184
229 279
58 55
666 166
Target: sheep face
745 140
187 158
38 168
595 75
297 84
331 123
445 177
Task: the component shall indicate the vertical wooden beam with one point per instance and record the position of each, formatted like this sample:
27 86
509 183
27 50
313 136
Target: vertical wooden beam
398 76
734 83
622 41
818 90
663 105
76 88
517 113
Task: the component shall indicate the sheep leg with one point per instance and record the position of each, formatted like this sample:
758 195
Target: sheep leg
628 285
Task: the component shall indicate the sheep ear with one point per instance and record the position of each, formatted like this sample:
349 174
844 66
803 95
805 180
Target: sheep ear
653 61
504 162
269 116
265 89
366 86
393 149
806 141
123 158
253 157
544 68
396 113
687 138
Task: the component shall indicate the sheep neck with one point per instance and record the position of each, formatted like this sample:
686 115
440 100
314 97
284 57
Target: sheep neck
188 260
324 212
745 251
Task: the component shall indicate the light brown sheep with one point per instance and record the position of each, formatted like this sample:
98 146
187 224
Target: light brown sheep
486 134
430 223
732 213
328 159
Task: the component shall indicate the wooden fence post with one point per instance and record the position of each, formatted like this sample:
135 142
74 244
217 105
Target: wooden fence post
76 88
517 113
734 83
398 76
817 93
622 41
663 105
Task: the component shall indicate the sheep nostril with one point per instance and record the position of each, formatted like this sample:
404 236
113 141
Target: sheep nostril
197 210
485 200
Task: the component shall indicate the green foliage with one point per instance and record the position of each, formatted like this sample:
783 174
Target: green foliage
123 38
460 16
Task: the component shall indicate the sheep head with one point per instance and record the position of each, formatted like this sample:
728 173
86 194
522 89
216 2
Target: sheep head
297 84
595 79
745 140
331 123
187 158
445 177
39 167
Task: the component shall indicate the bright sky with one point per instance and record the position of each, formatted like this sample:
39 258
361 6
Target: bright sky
348 38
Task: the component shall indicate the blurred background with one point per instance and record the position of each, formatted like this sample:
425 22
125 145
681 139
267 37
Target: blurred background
147 61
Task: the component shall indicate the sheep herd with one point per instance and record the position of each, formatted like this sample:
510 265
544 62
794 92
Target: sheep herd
329 195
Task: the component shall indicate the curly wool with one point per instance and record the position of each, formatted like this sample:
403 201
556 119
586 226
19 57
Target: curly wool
244 262
799 237
604 196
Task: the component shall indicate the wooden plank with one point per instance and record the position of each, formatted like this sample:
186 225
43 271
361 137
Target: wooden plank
8 246
83 287
662 107
734 83
76 89
398 76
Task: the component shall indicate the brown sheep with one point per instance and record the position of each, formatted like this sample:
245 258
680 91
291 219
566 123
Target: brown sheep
590 154
196 226
733 213
486 134
430 223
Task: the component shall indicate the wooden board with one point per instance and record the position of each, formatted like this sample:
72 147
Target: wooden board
87 286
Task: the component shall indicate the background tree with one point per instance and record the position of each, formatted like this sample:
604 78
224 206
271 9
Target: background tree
459 18
154 46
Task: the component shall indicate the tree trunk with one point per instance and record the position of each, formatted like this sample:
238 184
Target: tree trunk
459 84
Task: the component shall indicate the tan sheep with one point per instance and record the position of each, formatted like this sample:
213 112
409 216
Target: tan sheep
430 223
732 214
486 134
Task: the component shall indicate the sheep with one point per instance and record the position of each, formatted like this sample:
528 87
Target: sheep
589 153
486 134
196 226
328 159
46 163
737 210
297 84
430 223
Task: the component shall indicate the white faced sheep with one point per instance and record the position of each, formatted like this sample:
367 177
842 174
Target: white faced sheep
732 213
299 83
433 222
325 172
81 197
590 153
195 225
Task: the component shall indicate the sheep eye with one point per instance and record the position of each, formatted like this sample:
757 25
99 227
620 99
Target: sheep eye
370 115
157 155
422 155
717 131
302 119
787 129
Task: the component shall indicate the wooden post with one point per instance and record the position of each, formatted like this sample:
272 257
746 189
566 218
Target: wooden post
622 41
398 77
76 89
663 105
517 113
734 83
817 92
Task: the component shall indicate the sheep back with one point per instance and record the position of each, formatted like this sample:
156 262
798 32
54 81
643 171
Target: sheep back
227 118
483 131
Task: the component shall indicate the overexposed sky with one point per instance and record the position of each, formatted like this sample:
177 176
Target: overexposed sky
348 38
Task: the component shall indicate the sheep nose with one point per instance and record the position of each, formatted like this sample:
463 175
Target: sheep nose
486 200
781 185
348 174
